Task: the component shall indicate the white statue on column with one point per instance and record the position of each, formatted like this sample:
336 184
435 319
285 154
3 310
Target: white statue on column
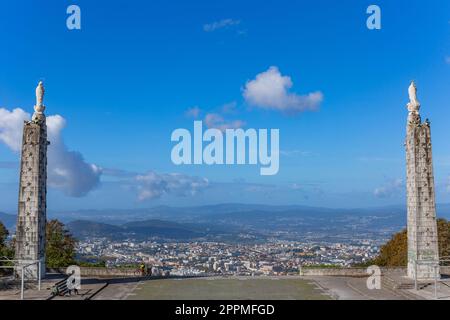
40 90
39 107
414 104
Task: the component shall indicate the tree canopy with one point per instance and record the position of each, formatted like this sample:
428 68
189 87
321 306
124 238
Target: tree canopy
60 245
395 252
3 234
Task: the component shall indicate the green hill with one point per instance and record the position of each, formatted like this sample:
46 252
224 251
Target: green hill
140 229
394 253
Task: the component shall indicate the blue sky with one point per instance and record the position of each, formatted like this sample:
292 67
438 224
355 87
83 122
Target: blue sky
124 82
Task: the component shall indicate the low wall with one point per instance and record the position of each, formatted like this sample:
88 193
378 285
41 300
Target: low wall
343 272
100 272
305 271
132 272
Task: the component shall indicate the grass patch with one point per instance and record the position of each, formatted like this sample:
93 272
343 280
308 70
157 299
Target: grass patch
226 289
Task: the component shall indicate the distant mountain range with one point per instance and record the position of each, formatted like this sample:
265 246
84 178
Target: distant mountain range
139 229
228 221
120 216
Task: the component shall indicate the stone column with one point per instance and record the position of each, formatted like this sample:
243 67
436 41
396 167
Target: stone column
422 227
31 220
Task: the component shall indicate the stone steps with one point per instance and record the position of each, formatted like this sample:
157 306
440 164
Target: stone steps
399 288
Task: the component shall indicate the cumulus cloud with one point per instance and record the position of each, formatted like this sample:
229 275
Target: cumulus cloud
390 189
118 173
224 23
217 121
270 90
11 123
67 170
154 185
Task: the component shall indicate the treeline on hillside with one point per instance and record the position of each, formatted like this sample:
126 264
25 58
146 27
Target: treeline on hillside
395 252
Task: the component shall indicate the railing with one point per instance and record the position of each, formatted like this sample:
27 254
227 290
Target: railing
436 273
18 264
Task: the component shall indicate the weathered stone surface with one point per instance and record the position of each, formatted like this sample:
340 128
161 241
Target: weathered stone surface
31 220
422 227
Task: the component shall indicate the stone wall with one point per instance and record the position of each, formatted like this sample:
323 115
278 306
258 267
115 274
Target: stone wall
344 272
332 272
101 272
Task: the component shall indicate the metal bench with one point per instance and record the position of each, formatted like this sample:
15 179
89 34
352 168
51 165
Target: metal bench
60 288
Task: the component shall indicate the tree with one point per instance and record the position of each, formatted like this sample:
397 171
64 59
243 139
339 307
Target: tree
444 237
6 250
60 245
3 234
395 252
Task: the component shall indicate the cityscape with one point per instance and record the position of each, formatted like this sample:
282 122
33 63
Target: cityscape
213 258
222 150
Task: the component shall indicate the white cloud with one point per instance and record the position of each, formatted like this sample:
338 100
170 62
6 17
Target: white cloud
224 23
193 112
270 90
67 170
390 189
153 185
215 120
11 123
